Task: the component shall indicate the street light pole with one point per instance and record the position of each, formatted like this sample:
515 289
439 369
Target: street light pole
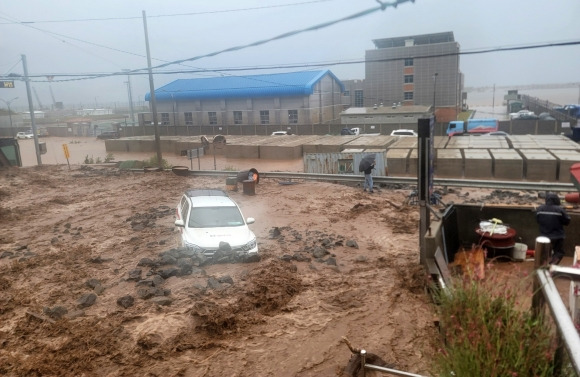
434 88
10 113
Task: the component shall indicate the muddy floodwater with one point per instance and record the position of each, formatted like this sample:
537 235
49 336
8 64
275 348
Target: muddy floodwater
91 283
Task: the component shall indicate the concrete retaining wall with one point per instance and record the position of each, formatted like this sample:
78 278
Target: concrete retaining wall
532 157
507 164
540 165
478 164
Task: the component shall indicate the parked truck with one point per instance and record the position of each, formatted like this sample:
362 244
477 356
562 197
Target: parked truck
472 126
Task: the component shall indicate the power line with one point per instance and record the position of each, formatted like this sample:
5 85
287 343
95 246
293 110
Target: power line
53 34
14 65
166 15
323 25
86 76
381 6
57 35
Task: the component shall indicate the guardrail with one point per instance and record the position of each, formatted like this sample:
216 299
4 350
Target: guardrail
450 182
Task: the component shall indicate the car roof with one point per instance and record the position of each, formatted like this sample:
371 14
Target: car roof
209 198
205 192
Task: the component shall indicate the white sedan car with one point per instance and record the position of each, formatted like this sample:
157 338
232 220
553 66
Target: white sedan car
403 132
207 218
24 135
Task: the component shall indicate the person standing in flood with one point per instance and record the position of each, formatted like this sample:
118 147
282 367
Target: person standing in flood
366 165
552 218
369 178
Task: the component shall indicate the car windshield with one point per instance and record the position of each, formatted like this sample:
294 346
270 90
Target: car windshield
214 217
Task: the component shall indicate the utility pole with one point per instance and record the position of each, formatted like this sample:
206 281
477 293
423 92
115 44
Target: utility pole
130 97
434 89
152 89
493 102
10 113
31 109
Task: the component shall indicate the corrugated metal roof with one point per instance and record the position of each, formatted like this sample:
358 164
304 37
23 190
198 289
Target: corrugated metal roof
270 85
387 110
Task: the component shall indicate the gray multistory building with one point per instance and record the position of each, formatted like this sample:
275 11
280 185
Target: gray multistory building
415 70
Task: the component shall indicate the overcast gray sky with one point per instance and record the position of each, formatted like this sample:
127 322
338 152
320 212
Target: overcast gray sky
81 37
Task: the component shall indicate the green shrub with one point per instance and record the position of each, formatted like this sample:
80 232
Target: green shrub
153 162
109 157
131 164
486 333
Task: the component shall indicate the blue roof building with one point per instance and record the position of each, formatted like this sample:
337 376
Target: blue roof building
306 97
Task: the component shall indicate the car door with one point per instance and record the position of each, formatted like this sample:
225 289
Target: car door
183 209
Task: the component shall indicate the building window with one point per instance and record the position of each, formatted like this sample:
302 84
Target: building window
346 93
408 96
408 79
238 117
408 62
358 98
264 117
165 119
293 116
345 166
212 117
188 119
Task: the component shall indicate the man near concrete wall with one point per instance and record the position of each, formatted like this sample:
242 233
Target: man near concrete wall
552 218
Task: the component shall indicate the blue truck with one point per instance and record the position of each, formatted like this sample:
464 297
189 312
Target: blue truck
570 110
472 126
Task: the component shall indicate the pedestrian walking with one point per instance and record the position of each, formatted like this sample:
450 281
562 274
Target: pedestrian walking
552 218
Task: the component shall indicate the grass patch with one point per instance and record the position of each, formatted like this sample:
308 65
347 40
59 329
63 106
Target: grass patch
486 333
152 161
136 164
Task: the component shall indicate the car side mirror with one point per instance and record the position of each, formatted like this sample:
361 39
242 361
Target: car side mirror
250 220
179 223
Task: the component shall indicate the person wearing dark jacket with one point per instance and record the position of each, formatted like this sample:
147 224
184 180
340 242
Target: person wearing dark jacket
369 177
552 218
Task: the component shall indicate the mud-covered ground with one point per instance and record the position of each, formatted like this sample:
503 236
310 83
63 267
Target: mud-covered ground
91 285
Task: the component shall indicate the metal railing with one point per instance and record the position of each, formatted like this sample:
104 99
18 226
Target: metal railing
449 182
365 366
545 291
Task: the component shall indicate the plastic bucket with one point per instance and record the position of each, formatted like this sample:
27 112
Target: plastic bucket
249 187
573 197
149 169
519 252
232 183
182 171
